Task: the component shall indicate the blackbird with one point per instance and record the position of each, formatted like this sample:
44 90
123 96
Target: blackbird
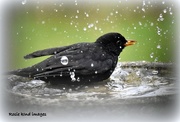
81 62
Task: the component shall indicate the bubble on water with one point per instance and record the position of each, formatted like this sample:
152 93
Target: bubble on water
95 72
24 2
64 60
152 55
158 46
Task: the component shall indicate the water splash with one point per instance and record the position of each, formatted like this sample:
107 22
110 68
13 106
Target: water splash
72 75
152 55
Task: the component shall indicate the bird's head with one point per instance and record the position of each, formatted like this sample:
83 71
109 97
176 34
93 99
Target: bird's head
114 42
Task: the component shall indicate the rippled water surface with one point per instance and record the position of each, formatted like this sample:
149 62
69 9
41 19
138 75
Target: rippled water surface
141 90
129 80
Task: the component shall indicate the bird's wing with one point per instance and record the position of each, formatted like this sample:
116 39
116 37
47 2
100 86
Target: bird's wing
45 52
81 61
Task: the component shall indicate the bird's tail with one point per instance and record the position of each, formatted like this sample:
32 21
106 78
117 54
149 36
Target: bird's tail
26 72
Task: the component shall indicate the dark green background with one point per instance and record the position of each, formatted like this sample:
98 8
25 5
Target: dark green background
40 25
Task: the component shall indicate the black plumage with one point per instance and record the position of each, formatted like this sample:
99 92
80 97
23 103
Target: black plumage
81 62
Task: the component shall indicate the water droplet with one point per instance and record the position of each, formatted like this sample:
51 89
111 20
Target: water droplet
78 11
160 18
72 75
140 23
138 73
158 30
92 65
43 22
152 55
165 11
152 23
76 16
90 25
24 2
95 72
55 10
158 46
87 15
54 29
64 60
95 28
70 90
84 28
156 59
143 9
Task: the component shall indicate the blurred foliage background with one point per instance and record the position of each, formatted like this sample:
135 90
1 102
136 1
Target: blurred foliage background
38 25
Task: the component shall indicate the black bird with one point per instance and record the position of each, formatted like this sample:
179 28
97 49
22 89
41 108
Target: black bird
81 62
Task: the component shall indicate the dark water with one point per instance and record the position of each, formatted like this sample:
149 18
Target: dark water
134 88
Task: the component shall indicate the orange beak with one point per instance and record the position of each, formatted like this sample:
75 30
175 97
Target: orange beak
129 42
